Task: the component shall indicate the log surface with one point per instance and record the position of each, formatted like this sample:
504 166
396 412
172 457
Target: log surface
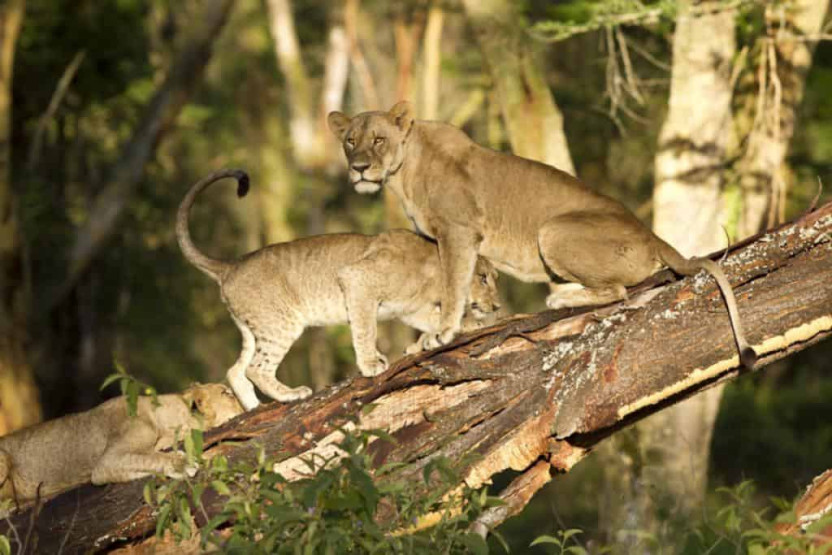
529 394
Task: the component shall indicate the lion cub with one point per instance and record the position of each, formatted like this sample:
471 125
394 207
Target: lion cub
106 445
276 292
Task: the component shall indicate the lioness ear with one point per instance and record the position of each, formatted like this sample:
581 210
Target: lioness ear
402 112
338 124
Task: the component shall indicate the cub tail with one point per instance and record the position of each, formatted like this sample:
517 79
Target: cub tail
212 267
690 266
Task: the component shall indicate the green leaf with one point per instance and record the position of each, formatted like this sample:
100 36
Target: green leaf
475 543
162 520
368 408
221 487
546 540
132 393
110 379
147 493
5 546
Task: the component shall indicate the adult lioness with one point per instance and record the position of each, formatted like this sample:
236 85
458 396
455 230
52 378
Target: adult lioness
105 444
529 219
277 291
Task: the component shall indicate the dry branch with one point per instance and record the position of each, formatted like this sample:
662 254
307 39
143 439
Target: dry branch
529 394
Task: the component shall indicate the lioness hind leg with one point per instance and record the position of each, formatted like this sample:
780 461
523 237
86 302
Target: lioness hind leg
269 353
569 296
602 252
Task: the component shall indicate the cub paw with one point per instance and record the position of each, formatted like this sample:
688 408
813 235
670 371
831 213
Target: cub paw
373 367
418 346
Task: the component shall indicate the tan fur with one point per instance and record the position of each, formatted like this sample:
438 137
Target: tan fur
530 220
274 293
106 445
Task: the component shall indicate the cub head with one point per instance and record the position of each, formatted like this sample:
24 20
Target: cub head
374 144
216 402
483 300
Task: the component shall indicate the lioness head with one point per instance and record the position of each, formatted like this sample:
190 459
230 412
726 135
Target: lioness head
216 402
374 144
483 300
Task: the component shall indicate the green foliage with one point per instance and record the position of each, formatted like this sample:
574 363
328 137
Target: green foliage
130 388
582 16
736 524
344 506
561 542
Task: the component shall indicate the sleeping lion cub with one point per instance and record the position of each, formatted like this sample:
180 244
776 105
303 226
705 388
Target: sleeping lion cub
105 444
276 292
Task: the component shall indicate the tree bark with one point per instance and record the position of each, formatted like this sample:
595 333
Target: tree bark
160 113
784 61
529 394
19 401
534 123
815 504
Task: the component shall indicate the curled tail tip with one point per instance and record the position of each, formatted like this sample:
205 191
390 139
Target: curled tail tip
242 183
748 358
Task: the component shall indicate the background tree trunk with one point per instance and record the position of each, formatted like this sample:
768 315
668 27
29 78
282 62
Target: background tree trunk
161 112
313 146
529 394
19 402
784 60
660 467
533 121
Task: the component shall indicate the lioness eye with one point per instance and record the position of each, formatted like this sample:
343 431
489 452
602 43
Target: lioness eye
483 279
351 141
378 140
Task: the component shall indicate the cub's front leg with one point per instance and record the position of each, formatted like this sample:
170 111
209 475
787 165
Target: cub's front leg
132 456
458 247
358 283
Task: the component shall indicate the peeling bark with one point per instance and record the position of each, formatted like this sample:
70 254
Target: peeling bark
814 505
531 393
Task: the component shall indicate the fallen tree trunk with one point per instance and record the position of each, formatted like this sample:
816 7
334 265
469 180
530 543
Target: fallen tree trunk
530 394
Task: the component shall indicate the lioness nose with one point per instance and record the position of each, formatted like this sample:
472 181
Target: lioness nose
360 166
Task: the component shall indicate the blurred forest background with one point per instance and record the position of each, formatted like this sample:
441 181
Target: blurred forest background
697 115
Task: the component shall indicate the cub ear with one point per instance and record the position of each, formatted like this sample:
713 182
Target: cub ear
402 112
338 124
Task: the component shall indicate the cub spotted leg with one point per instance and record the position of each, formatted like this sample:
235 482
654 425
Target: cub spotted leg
236 375
131 457
458 247
268 354
362 302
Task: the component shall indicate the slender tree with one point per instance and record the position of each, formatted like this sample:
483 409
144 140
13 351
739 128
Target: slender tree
534 123
19 402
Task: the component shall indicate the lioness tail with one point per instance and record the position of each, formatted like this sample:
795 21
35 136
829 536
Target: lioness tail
690 266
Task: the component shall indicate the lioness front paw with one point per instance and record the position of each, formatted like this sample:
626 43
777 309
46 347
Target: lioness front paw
373 367
436 340
293 394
